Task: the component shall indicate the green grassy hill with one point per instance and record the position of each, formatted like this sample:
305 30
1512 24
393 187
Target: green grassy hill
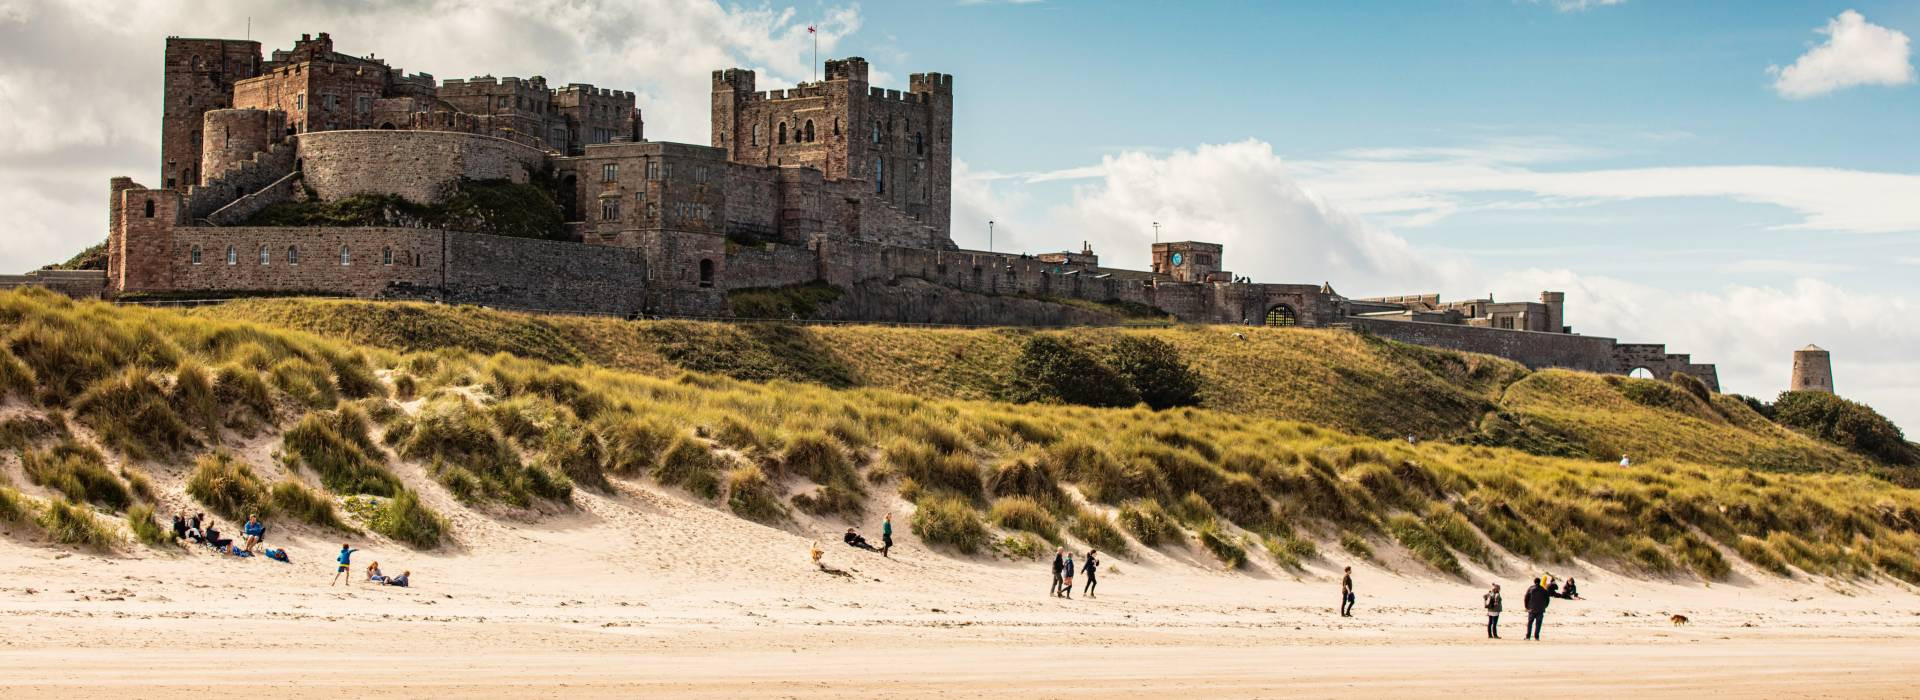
100 404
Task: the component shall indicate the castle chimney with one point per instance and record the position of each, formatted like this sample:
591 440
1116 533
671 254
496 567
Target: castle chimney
1812 370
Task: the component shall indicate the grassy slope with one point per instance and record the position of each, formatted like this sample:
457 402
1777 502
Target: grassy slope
1236 482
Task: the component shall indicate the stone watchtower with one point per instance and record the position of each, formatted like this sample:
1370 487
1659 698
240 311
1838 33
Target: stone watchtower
899 144
1812 370
200 74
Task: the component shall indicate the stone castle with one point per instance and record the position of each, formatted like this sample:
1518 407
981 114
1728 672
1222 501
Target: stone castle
836 182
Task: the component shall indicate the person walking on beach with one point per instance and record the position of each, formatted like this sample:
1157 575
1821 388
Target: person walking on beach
1059 560
1346 593
345 560
1536 600
886 536
1493 612
1091 568
1066 578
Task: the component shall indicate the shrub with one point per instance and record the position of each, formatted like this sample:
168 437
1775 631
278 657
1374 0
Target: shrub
1457 533
1095 528
352 376
635 445
466 450
1021 545
78 472
226 486
26 430
244 397
62 358
1849 424
688 464
1425 544
16 379
134 415
68 523
337 447
951 521
1155 371
307 383
1692 385
1026 477
831 499
1645 553
1194 511
1356 546
1148 522
1022 513
138 483
801 300
293 499
14 508
579 455
1290 550
931 469
821 459
1224 547
750 495
406 519
194 399
1756 552
1053 370
145 528
1701 557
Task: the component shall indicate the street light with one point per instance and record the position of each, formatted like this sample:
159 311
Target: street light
989 235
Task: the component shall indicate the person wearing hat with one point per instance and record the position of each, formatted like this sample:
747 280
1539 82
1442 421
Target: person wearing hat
1492 599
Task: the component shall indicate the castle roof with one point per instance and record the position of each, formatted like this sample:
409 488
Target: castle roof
1812 348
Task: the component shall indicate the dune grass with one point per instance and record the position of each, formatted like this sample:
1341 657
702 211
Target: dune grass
949 521
146 528
227 486
405 519
68 523
77 472
336 446
1022 513
751 495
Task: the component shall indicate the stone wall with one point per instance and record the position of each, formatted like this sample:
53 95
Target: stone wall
238 211
422 166
262 170
79 284
199 75
1654 358
536 274
232 136
1535 350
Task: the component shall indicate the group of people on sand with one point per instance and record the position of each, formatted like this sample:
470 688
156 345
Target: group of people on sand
344 567
856 541
200 529
1063 573
1543 590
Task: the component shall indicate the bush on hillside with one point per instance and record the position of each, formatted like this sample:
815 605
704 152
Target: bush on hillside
406 519
1155 370
147 529
78 472
1423 542
294 499
1051 369
336 446
1022 513
688 464
634 445
1849 424
821 459
67 523
750 495
1026 477
473 459
15 508
133 414
16 379
496 207
832 499
1096 528
949 521
1148 522
1224 546
26 430
802 300
227 486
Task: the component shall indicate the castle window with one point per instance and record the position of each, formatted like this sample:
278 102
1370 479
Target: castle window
919 143
149 208
756 135
293 255
195 255
610 172
609 209
876 131
365 103
653 211
653 169
233 256
346 257
264 255
1281 316
706 272
783 133
1505 322
879 176
836 126
386 256
809 131
300 101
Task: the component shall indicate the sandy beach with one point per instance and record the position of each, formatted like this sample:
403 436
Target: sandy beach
642 593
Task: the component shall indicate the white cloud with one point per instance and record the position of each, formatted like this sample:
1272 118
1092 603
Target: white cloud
101 117
1416 187
1856 52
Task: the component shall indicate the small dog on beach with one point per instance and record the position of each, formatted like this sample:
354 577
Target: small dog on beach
1679 620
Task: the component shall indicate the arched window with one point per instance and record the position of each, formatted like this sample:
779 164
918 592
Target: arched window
809 131
264 255
756 135
149 208
293 255
346 258
195 255
233 256
386 256
1282 315
783 132
706 272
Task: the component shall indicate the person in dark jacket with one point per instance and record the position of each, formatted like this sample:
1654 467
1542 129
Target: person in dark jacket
1059 560
179 526
1346 593
1090 568
1492 599
853 539
1569 592
1537 599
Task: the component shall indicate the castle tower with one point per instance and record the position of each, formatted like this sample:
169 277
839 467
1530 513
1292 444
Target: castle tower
1556 303
232 136
1812 370
200 74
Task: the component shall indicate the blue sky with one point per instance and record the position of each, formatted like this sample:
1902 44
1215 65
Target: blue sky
1736 179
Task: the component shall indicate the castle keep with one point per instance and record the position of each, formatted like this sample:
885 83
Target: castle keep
835 182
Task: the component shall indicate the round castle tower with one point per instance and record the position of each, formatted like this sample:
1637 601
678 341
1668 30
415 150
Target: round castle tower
1812 370
233 136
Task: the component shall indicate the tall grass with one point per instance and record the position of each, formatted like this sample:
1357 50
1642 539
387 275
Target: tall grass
67 523
227 486
752 496
405 519
337 446
77 472
1096 528
133 414
1023 513
949 521
146 528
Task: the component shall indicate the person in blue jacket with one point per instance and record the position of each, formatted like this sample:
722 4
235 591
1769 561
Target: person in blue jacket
345 560
253 532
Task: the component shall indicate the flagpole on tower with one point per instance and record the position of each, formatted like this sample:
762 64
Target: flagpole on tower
812 29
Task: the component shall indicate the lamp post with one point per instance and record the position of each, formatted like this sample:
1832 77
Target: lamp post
989 235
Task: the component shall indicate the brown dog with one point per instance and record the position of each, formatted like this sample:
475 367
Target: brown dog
1679 620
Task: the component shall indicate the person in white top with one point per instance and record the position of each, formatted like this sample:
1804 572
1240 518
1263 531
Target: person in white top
1625 462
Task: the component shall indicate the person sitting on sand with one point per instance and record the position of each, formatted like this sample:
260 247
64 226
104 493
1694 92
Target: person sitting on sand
853 539
253 531
1066 577
1569 592
400 580
179 526
373 573
214 539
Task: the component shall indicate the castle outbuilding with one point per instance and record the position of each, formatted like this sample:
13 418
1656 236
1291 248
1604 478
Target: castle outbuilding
1812 370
